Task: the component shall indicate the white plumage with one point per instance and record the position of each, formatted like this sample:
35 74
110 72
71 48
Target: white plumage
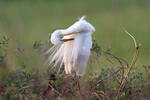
74 52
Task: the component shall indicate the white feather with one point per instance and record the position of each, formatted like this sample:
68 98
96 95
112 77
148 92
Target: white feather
74 54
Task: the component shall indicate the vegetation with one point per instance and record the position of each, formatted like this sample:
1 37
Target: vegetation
30 83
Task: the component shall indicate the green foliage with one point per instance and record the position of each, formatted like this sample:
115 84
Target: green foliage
3 47
96 48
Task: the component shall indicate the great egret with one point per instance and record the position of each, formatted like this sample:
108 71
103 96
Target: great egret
72 47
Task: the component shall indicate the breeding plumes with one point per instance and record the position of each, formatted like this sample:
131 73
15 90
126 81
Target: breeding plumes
72 47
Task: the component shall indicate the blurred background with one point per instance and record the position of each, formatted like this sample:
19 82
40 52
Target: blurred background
25 28
27 21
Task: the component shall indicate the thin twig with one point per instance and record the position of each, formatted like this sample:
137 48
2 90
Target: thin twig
145 67
120 61
118 81
102 94
134 40
105 94
130 67
126 76
111 75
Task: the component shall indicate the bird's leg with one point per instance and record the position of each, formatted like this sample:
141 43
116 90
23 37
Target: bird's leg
79 88
78 82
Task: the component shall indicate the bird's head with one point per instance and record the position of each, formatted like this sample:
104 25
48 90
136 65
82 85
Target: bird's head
56 38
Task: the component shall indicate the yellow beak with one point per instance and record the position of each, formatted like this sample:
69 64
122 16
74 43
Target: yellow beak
66 40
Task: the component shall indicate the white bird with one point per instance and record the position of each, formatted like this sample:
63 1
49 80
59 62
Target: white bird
73 50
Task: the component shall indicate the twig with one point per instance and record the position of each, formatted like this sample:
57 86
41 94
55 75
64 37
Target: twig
145 67
28 86
126 76
97 95
102 94
111 75
105 94
119 60
134 40
118 81
53 88
130 67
